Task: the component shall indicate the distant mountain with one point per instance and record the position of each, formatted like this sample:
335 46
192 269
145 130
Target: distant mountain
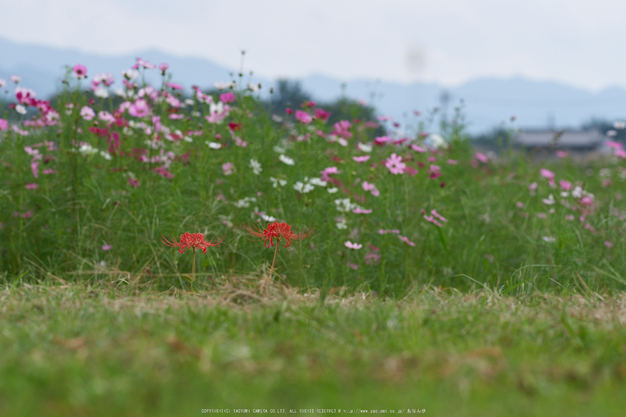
488 102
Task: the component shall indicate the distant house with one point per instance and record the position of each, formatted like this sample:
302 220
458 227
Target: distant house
578 141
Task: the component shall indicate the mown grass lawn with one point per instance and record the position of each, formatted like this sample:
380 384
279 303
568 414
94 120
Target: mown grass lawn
74 350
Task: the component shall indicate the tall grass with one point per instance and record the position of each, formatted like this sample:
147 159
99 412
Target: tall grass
58 230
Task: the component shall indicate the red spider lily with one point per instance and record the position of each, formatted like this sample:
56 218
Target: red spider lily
189 240
277 231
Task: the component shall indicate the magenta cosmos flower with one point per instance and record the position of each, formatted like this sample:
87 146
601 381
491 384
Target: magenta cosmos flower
227 97
80 71
303 117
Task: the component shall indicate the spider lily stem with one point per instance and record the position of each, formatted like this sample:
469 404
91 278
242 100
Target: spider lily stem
193 268
274 261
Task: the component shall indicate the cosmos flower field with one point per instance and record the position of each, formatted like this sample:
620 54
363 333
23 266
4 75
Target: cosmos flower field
92 180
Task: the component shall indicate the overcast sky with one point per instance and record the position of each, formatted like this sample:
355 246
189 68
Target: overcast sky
446 41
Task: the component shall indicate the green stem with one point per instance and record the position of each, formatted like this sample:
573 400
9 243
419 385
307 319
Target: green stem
274 261
193 268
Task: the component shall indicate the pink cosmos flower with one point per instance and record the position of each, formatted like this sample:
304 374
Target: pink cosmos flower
439 216
303 117
566 185
355 246
453 162
562 154
542 215
364 158
532 187
434 172
174 86
620 153
384 118
410 171
3 82
519 204
105 116
385 231
15 78
372 258
608 244
381 140
139 108
342 129
432 220
321 114
394 164
87 113
481 157
432 159
547 174
370 187
326 173
613 144
586 201
106 247
569 217
34 166
418 149
163 67
228 168
32 186
353 266
133 182
49 171
173 101
227 97
4 125
80 71
361 211
406 240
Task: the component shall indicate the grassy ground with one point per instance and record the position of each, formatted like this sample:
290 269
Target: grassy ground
99 317
74 350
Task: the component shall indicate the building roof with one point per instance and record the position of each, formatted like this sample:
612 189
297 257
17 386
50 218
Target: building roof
572 139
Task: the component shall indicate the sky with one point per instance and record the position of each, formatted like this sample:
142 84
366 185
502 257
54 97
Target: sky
444 41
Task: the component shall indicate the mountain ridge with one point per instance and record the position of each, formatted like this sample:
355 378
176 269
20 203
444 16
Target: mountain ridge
488 101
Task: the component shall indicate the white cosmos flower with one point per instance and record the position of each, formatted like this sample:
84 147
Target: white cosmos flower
342 224
256 166
303 188
277 181
279 149
222 85
101 92
344 204
245 202
20 109
333 190
285 159
318 182
365 148
549 200
214 145
131 74
436 141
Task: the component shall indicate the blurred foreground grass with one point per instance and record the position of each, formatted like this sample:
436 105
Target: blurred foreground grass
77 350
